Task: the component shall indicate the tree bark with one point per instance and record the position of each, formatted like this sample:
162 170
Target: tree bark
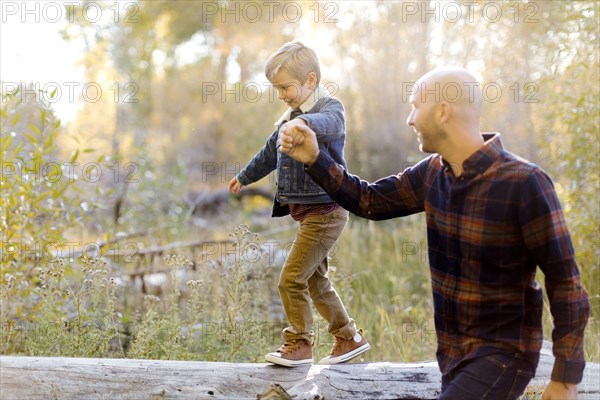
79 378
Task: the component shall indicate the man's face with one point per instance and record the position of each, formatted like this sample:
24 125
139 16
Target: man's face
290 90
422 120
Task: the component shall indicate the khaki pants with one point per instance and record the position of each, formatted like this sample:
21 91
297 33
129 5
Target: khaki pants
304 277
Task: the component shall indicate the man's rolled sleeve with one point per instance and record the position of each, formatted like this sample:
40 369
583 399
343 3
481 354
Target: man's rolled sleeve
567 371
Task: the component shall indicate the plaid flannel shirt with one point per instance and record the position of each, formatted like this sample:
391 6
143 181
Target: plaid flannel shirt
487 231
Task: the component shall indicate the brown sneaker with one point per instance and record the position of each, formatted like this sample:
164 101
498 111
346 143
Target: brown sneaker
345 350
292 354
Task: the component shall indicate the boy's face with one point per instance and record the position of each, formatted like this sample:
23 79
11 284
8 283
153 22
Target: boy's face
291 91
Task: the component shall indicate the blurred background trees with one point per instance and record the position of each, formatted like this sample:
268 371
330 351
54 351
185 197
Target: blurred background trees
192 86
191 95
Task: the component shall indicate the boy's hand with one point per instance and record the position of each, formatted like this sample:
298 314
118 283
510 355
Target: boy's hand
304 149
235 186
291 129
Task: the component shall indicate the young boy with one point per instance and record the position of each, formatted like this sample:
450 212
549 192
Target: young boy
295 73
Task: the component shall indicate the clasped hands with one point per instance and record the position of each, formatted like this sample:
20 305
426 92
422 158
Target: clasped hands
298 141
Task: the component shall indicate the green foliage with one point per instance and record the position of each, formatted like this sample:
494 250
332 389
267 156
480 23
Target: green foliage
141 208
39 200
158 335
568 135
76 317
77 311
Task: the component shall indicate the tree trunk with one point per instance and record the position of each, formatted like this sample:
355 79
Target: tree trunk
79 378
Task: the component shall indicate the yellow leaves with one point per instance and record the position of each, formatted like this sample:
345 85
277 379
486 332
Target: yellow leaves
15 119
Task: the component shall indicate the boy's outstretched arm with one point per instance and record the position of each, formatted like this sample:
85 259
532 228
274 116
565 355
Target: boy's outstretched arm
329 122
260 165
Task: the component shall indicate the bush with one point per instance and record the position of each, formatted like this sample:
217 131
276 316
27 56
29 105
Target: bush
39 201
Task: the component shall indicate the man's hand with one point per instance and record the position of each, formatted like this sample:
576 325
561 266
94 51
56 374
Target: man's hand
300 143
290 130
291 125
560 391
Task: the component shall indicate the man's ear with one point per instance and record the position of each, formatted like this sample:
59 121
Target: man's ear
311 79
444 112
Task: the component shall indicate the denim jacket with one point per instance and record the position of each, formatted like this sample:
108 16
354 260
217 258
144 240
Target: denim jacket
324 114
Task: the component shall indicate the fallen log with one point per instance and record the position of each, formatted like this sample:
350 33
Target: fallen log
211 202
78 378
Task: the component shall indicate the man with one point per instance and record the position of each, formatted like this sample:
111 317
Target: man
492 218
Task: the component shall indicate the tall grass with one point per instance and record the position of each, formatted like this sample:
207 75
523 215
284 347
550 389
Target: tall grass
227 308
383 277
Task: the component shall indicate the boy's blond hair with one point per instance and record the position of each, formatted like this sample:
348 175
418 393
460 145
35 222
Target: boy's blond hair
295 58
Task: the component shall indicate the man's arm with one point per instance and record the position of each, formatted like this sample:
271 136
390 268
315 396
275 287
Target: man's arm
545 232
394 196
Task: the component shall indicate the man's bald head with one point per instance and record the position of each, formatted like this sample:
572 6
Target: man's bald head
453 85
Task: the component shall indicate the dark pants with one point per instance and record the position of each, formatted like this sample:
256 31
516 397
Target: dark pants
493 377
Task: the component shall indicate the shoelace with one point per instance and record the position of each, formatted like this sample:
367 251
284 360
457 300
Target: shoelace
337 345
288 347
